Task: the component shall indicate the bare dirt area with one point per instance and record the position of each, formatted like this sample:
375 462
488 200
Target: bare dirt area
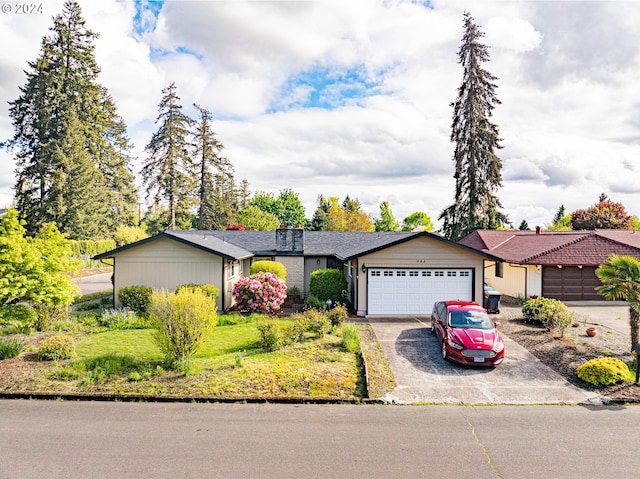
565 354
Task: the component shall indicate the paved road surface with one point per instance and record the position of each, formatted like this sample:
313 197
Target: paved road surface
94 283
56 439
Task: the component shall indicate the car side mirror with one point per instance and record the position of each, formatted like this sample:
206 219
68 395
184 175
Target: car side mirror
496 323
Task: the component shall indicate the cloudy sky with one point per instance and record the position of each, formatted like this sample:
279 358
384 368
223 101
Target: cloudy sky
353 97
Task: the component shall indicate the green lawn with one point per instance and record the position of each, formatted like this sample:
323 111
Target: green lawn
231 364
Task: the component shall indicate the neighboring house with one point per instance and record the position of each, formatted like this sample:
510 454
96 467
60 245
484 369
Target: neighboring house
387 273
3 211
553 264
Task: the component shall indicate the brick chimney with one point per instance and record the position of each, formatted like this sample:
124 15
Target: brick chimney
537 230
289 240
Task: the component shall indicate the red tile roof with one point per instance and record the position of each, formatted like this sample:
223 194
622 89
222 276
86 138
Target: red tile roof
588 248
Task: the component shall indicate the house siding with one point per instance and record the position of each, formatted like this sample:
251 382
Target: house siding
166 264
421 252
513 282
295 270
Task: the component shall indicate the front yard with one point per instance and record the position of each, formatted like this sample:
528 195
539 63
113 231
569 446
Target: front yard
230 365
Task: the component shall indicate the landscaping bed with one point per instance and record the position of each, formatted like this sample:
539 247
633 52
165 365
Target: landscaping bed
565 354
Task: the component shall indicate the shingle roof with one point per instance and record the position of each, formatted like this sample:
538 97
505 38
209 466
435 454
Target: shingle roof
236 244
555 247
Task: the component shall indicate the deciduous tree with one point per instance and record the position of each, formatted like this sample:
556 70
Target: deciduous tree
35 268
477 166
605 214
418 220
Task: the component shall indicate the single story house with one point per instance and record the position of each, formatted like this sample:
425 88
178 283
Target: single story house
387 273
553 264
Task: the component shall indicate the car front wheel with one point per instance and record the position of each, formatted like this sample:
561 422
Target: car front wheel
444 350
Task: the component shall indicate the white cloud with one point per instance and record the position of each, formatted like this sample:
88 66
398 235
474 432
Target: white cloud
567 81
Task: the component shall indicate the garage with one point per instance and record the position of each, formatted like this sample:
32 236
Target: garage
570 283
413 291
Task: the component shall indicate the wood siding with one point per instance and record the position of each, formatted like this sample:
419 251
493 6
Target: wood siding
422 252
166 264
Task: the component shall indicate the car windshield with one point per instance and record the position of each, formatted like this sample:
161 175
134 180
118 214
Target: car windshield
470 319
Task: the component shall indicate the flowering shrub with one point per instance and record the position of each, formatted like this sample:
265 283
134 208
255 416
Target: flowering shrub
260 293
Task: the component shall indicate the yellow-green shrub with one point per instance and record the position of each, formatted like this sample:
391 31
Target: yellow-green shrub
183 320
56 347
268 266
603 371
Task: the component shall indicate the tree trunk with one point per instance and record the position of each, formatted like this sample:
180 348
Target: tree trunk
634 323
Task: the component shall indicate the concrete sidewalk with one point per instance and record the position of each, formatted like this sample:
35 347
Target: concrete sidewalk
424 377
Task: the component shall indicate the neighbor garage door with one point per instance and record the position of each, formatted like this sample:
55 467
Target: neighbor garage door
413 291
570 283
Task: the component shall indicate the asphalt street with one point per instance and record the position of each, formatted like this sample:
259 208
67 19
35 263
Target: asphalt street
57 439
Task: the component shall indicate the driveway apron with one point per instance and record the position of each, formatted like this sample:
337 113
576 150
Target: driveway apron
422 376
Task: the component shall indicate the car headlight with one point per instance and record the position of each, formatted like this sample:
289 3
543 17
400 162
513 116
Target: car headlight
453 344
499 346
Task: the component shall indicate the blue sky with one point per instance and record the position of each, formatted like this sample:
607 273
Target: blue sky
335 98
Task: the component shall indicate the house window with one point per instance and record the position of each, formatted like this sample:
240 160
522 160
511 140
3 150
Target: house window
439 273
451 273
401 273
464 273
231 270
499 270
413 273
375 273
388 273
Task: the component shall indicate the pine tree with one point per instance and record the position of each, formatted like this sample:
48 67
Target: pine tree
168 172
477 167
524 226
62 89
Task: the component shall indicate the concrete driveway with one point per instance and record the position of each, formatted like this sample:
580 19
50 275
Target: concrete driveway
424 377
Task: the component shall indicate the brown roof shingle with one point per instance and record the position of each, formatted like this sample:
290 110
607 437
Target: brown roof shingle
588 248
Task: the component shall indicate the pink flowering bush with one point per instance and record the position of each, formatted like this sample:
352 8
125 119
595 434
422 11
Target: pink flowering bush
260 293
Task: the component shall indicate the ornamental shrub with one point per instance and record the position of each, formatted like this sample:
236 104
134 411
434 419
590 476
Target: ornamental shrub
122 318
315 322
56 347
603 371
209 289
260 293
23 318
183 321
47 314
555 314
328 284
137 298
267 266
270 335
313 302
531 308
337 314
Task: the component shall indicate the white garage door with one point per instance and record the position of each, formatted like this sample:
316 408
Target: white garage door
413 291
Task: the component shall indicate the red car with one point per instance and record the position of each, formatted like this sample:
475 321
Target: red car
466 333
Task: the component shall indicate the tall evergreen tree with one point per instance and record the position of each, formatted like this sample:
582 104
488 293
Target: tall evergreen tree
216 184
62 89
477 167
168 171
386 222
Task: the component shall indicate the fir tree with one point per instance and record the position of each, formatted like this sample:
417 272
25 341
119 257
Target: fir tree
62 89
216 184
477 167
168 172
